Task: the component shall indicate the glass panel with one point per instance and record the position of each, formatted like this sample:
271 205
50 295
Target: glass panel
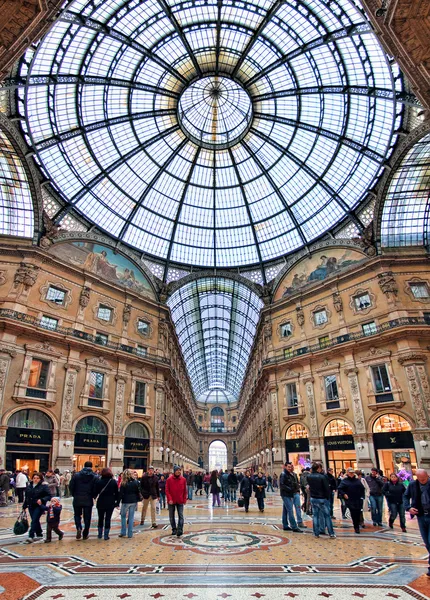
140 393
369 328
91 425
419 290
391 422
30 419
137 430
56 295
49 323
331 392
381 380
286 329
362 302
320 317
38 377
96 385
104 313
292 400
296 431
338 427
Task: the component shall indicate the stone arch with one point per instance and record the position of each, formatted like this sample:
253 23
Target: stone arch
387 411
287 427
333 418
97 416
136 422
7 415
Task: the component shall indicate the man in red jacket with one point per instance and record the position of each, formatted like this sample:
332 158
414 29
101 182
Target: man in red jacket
176 493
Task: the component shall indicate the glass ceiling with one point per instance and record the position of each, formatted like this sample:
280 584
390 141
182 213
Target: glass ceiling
215 319
214 133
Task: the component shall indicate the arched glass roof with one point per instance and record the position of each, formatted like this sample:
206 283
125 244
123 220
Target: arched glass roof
214 133
216 396
405 215
215 319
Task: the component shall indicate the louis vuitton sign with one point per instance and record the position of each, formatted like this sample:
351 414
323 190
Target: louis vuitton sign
395 439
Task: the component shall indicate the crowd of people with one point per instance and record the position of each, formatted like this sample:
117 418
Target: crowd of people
312 492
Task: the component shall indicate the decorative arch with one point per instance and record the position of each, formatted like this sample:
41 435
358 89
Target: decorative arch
225 464
296 425
29 426
382 413
136 425
95 416
7 415
339 420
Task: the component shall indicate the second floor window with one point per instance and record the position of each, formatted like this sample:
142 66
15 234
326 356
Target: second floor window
369 328
320 317
292 400
362 301
324 341
288 352
104 313
286 329
140 397
381 381
143 327
49 323
141 351
38 374
101 338
419 290
56 295
331 392
95 395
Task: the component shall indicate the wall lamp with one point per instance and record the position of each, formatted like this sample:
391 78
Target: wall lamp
120 447
423 443
67 444
167 450
360 446
267 450
312 448
161 448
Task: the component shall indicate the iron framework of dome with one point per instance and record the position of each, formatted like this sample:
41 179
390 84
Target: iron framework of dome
211 133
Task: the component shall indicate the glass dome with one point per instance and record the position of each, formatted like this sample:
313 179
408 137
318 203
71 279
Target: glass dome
211 133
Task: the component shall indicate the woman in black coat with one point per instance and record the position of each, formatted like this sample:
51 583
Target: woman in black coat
259 489
107 498
37 494
393 490
246 489
351 490
215 488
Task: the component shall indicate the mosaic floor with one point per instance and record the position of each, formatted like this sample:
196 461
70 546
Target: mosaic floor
222 554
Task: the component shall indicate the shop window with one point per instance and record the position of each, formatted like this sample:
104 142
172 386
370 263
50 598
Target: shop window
362 302
104 313
381 384
30 419
140 397
95 395
331 392
296 431
143 327
288 352
324 341
141 351
91 425
49 323
137 430
56 295
390 423
292 400
101 338
286 329
38 379
369 328
420 290
337 427
320 317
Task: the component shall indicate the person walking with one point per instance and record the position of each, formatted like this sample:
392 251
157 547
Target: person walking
343 508
190 484
207 483
198 480
394 490
21 484
53 508
107 493
67 476
269 483
288 486
215 488
303 486
4 487
162 489
176 493
417 501
151 493
232 485
376 499
245 489
352 491
359 474
129 495
319 492
333 487
36 496
260 489
83 489
296 497
52 482
223 477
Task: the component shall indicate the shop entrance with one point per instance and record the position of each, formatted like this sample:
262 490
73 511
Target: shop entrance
339 446
394 445
297 446
341 459
136 448
90 443
79 460
29 441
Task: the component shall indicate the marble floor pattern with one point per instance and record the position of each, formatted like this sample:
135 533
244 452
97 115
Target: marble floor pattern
223 554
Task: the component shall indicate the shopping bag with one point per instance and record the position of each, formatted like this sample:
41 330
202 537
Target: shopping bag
240 502
21 524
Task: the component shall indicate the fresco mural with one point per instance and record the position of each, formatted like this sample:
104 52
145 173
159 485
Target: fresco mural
103 262
320 266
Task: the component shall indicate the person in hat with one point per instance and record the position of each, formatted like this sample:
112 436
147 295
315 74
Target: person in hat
151 493
53 508
176 493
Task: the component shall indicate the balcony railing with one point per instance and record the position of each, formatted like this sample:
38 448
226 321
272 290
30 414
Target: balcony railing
217 429
343 339
81 335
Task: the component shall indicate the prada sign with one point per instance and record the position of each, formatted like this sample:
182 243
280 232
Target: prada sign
395 439
91 440
298 445
18 435
136 445
339 442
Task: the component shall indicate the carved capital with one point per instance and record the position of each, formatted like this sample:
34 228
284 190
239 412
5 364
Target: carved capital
412 357
71 367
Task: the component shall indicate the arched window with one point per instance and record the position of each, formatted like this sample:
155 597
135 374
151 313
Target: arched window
337 427
296 431
91 425
217 417
137 430
391 422
30 419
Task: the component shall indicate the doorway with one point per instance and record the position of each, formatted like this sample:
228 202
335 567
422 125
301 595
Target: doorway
217 456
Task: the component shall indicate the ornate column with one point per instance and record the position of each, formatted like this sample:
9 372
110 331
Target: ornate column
116 449
6 354
277 440
66 437
314 439
361 439
418 385
156 442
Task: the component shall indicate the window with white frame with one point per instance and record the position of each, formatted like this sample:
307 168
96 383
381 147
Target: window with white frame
292 399
143 327
381 383
320 317
95 393
331 392
286 329
101 338
56 295
420 290
369 328
38 379
140 397
141 351
362 301
49 323
104 313
288 352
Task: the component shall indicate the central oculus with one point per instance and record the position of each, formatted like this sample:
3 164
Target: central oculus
215 112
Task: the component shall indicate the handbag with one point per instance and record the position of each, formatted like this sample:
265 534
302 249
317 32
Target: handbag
218 483
100 493
241 502
21 524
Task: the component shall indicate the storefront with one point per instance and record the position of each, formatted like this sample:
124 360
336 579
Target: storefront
394 445
339 446
29 441
136 448
91 442
297 446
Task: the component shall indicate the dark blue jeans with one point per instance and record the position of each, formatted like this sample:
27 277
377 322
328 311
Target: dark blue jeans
35 527
86 511
376 504
397 509
321 516
424 525
180 509
288 519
